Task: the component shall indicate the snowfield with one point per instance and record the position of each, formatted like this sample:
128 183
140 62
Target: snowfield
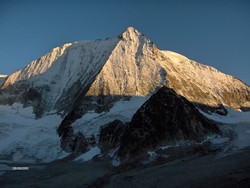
236 122
25 139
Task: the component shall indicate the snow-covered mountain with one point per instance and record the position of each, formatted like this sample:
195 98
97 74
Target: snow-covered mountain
130 65
88 84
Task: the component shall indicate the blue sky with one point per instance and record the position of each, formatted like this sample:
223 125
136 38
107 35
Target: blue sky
215 33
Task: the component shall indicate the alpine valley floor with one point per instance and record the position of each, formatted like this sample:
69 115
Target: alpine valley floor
194 171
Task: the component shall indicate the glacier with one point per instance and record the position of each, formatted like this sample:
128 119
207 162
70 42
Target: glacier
26 139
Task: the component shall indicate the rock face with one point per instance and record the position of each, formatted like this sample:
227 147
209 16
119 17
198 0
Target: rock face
73 142
166 118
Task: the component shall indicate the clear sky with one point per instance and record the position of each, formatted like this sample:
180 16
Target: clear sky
212 32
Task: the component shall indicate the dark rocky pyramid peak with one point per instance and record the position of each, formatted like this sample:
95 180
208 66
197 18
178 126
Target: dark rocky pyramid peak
166 118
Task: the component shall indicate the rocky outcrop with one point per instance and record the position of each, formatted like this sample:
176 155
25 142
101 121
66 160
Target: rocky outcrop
73 142
166 118
110 136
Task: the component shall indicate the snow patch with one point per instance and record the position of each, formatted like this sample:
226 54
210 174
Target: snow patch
153 156
217 140
164 147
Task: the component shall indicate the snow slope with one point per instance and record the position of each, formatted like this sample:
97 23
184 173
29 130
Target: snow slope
131 69
25 139
239 124
204 84
63 73
233 117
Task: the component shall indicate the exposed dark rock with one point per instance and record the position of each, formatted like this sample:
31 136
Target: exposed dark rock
110 135
82 105
73 142
245 109
221 110
91 140
166 118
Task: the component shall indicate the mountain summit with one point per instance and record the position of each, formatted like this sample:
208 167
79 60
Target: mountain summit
130 34
91 75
